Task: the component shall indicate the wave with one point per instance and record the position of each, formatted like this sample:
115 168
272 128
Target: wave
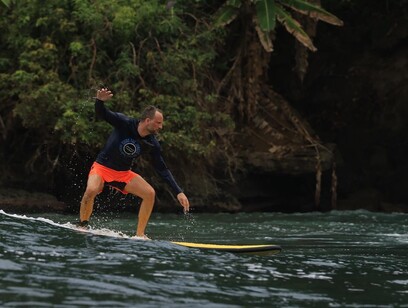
72 226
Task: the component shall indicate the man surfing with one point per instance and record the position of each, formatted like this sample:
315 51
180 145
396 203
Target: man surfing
129 139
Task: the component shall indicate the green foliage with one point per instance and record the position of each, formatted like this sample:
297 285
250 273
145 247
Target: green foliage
76 48
77 124
268 12
187 128
55 54
6 3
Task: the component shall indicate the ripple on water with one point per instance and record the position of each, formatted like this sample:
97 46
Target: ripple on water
337 259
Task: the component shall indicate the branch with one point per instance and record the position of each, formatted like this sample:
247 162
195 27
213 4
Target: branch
93 44
135 61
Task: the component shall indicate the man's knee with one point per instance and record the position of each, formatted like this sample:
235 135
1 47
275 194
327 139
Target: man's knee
94 185
91 192
151 193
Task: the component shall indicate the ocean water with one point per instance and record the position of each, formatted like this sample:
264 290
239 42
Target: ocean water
335 259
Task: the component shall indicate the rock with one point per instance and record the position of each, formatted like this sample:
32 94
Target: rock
394 208
368 199
371 200
21 201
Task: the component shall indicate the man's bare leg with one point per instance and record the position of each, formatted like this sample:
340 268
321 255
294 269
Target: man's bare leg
139 187
93 188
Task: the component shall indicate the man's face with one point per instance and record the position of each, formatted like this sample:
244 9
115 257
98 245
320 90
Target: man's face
156 124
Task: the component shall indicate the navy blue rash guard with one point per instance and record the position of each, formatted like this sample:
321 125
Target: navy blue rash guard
125 144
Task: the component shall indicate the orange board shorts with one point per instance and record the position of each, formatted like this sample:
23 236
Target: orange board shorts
114 178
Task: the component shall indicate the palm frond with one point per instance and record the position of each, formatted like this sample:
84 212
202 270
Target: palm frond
264 37
312 10
266 13
227 13
294 27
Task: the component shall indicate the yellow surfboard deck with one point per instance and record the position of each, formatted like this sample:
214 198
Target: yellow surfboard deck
264 249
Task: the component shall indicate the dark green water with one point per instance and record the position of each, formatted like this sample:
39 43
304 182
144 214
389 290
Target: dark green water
337 259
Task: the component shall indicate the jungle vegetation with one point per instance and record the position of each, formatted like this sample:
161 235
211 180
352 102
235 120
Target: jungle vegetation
205 63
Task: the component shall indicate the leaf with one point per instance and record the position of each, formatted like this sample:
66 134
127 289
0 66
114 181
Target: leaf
294 27
225 15
313 11
266 14
6 3
264 37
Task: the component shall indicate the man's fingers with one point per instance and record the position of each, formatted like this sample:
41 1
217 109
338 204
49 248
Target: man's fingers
186 205
104 94
184 202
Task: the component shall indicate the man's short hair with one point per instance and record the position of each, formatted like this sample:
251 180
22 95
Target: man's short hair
149 112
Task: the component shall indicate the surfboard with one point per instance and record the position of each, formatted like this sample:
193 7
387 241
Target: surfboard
257 249
260 249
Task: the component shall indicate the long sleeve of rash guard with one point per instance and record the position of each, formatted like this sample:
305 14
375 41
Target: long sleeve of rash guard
113 118
161 168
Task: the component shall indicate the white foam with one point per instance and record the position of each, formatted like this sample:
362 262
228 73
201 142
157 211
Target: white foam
68 225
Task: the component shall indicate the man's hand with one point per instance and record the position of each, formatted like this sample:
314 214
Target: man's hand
103 94
181 197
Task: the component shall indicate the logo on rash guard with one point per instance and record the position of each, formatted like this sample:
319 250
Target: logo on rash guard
130 148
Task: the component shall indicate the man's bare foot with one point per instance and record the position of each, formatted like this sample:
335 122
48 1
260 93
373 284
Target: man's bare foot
141 237
82 225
